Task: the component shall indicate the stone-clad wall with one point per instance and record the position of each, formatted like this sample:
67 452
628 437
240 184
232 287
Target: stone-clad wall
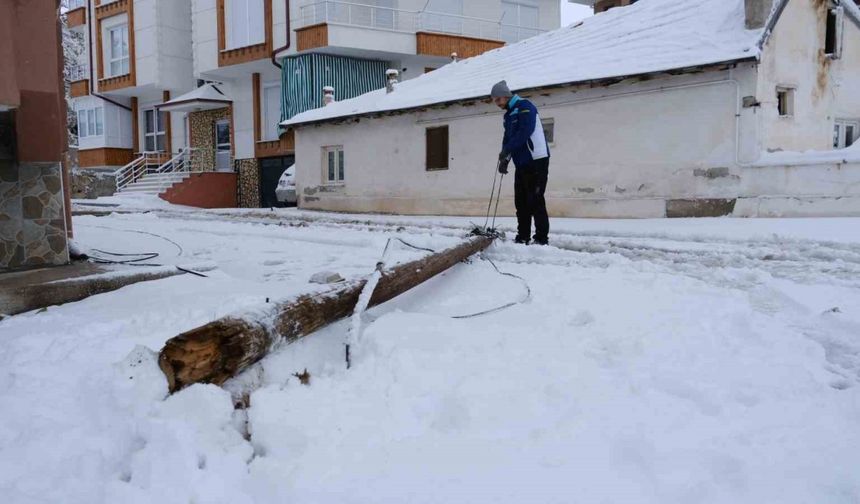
249 182
32 227
202 125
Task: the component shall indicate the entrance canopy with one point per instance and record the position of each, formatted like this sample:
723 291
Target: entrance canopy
206 97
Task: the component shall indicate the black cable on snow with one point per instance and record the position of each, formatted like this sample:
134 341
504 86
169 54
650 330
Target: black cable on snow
500 272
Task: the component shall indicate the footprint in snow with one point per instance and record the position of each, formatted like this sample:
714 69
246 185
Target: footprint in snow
581 318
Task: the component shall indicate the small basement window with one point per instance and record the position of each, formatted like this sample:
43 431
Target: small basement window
845 133
785 101
437 148
833 33
333 165
549 130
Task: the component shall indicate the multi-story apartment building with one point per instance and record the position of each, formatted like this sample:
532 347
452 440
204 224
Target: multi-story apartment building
219 76
137 55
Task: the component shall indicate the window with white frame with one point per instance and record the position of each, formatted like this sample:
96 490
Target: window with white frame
549 130
245 25
846 132
117 55
333 165
520 20
271 111
90 122
154 130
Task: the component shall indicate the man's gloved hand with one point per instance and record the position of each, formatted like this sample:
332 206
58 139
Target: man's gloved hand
504 161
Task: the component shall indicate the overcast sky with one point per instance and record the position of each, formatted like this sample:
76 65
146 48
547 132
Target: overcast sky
571 13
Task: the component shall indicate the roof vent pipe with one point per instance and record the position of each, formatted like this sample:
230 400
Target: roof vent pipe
757 13
391 78
328 95
455 57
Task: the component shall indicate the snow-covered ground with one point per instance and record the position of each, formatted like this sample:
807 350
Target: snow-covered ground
711 360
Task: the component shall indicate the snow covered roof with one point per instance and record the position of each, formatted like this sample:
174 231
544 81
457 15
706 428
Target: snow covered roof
648 36
206 97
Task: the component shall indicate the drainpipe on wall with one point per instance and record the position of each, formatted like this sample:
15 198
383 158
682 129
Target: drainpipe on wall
289 37
90 19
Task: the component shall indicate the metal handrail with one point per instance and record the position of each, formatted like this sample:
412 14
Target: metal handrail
137 168
187 160
79 73
74 4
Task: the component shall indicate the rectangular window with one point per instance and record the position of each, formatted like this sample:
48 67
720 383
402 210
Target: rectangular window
833 33
846 132
154 131
437 148
785 101
334 165
271 111
91 122
118 51
245 24
549 130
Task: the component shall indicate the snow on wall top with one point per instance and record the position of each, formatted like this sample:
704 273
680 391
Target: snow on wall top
648 36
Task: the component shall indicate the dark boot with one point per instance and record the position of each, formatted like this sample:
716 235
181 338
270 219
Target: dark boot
520 239
540 241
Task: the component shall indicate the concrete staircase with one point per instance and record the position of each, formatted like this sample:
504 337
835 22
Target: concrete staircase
155 183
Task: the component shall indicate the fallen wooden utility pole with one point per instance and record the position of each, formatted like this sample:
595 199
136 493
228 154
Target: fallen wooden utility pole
223 348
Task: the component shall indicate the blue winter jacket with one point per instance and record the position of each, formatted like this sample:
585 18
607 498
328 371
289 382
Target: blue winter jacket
524 137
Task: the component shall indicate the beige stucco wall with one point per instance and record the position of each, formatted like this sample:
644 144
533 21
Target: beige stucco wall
826 89
618 151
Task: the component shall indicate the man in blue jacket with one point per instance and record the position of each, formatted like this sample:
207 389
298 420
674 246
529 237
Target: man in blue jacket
525 143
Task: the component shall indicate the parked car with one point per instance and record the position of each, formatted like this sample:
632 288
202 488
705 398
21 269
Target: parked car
286 191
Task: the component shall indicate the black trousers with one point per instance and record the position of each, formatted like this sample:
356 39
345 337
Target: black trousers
529 189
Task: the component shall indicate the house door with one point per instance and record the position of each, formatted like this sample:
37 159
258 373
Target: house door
223 147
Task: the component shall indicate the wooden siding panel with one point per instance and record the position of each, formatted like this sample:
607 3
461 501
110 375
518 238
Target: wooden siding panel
114 83
135 125
284 146
104 157
112 9
76 17
439 44
311 37
79 88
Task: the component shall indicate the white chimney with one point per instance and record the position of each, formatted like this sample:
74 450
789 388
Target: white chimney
455 57
757 13
391 78
328 95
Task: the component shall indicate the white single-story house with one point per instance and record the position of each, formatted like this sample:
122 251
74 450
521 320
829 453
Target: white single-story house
659 109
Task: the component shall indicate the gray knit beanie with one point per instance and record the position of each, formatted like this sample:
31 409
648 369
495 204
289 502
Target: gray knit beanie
500 90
